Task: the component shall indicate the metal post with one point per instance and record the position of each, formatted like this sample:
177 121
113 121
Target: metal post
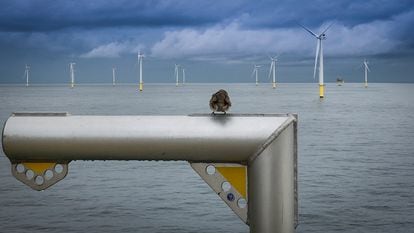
271 187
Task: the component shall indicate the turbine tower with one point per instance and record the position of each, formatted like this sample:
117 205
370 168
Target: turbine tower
176 71
113 76
72 74
183 75
140 57
256 73
319 52
26 72
272 70
366 69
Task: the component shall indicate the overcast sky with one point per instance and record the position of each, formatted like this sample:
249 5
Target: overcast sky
217 41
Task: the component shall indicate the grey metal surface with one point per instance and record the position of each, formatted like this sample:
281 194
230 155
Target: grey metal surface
39 181
271 186
265 143
194 138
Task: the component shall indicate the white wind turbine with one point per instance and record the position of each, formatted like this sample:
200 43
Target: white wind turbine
366 69
113 76
256 73
319 52
72 74
176 72
26 72
183 75
140 58
272 70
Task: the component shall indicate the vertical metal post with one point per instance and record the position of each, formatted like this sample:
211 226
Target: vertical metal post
271 187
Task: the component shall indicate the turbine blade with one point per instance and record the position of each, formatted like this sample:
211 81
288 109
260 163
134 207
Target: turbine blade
367 67
308 30
270 70
316 58
252 75
327 28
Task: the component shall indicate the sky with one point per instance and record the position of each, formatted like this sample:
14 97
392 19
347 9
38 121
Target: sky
216 41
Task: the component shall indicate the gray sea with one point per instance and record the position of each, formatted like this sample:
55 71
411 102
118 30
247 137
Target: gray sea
356 161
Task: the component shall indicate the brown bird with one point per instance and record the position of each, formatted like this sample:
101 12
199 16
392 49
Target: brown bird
220 101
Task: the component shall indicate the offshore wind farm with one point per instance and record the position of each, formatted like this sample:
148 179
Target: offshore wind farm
318 67
85 84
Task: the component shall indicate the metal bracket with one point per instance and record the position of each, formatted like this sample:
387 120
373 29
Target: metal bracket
39 176
230 184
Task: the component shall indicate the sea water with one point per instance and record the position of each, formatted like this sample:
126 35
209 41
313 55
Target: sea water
356 161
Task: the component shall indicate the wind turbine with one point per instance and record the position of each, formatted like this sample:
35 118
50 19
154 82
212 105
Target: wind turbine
176 71
26 72
183 75
140 58
72 74
319 52
366 69
272 70
113 76
256 73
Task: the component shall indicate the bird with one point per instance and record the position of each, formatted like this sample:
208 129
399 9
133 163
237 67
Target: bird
220 101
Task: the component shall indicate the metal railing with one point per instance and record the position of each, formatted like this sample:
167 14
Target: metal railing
249 160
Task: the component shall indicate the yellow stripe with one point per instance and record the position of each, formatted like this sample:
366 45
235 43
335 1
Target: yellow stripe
237 178
321 91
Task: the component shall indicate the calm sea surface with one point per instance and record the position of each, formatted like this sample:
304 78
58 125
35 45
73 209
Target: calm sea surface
356 162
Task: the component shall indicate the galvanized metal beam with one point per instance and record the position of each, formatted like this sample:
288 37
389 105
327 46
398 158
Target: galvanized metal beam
263 144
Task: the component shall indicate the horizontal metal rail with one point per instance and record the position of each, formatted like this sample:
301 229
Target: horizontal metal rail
193 138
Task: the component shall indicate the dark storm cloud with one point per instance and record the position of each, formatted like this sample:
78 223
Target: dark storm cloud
274 14
217 31
48 15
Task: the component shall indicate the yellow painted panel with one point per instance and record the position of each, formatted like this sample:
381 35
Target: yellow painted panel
321 91
39 168
237 178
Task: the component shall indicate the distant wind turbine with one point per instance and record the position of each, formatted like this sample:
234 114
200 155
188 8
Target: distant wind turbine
72 74
366 69
113 76
140 58
26 72
272 70
176 72
319 52
256 73
183 75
